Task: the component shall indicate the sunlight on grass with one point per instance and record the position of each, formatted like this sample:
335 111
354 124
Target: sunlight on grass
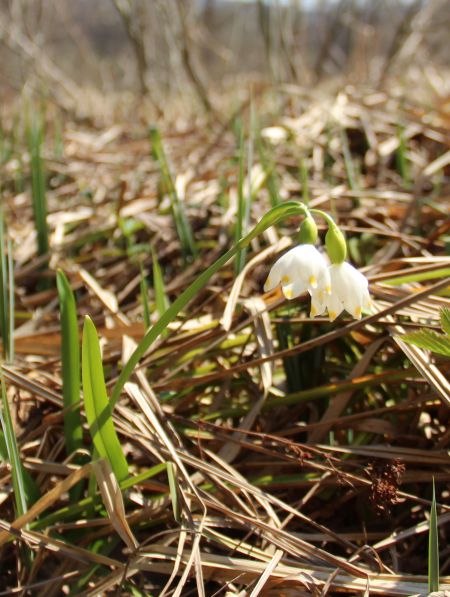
97 406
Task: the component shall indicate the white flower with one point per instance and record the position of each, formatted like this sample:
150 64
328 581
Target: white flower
300 270
274 134
349 291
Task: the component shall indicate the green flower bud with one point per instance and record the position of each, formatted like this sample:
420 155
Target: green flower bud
336 245
308 231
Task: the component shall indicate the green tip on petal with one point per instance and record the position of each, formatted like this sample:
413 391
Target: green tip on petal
308 231
336 245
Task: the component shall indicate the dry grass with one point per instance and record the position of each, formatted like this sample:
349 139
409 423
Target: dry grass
303 452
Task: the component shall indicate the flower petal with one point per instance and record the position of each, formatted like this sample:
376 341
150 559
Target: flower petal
334 306
279 269
318 306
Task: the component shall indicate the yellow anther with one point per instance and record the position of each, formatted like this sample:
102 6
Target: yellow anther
313 281
332 315
286 279
287 293
358 313
313 312
328 289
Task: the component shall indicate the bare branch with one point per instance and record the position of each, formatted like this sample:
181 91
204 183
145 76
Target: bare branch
134 28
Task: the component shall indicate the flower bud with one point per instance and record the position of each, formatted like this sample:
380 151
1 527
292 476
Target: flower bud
336 245
308 231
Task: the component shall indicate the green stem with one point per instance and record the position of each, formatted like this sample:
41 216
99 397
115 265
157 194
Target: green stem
272 217
323 214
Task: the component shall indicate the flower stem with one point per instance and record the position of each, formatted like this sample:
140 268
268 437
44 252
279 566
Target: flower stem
323 214
272 217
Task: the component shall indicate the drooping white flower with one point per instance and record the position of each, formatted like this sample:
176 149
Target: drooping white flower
302 269
349 291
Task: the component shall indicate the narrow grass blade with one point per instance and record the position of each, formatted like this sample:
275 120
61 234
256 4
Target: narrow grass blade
417 277
70 357
113 501
304 180
91 503
38 190
272 183
239 226
161 298
4 295
182 225
31 489
272 217
290 364
173 485
433 548
20 494
144 299
97 406
10 304
401 158
348 162
244 199
58 141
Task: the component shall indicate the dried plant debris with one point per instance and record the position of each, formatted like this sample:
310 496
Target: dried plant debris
385 478
267 452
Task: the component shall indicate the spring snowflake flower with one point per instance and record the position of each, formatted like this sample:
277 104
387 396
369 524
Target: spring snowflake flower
302 269
349 291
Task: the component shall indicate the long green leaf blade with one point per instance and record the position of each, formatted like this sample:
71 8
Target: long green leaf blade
269 169
241 208
31 489
70 353
161 299
272 217
18 482
38 190
180 218
10 304
173 487
97 406
4 296
144 299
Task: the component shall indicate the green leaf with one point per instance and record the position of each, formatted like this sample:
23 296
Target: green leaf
397 280
269 168
10 304
161 299
179 216
272 217
144 299
430 340
433 548
20 494
402 159
173 486
445 320
97 406
38 183
239 228
4 295
31 489
92 503
70 357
